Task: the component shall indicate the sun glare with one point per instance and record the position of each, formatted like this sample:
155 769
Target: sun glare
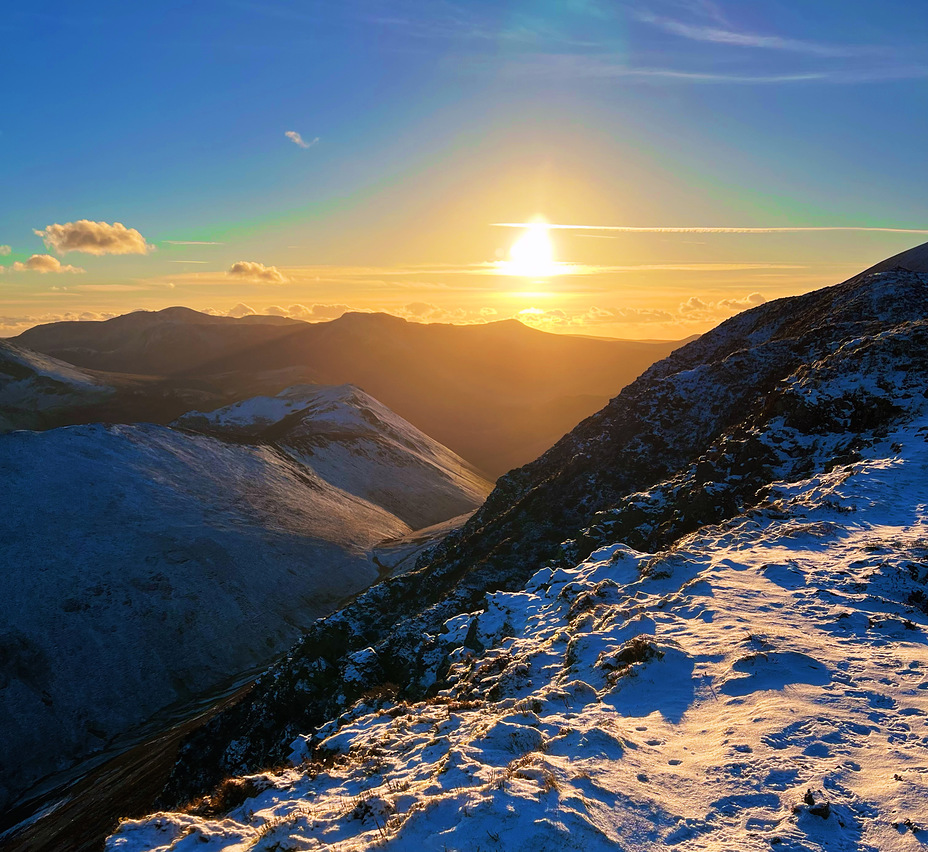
532 255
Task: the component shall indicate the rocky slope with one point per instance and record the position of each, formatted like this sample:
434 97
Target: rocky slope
793 390
762 684
145 566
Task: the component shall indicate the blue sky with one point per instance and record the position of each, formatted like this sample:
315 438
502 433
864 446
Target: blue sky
425 122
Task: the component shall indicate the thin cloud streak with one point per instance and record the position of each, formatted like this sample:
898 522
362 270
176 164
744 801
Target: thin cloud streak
191 243
603 67
633 229
719 35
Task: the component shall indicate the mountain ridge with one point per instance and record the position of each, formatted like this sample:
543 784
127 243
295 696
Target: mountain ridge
688 432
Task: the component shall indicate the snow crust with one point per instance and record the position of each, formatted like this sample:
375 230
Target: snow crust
762 684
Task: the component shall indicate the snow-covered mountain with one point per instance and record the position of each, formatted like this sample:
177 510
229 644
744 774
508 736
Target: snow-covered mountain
144 566
354 443
34 388
700 618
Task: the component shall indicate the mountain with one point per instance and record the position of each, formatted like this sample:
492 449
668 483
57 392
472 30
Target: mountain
147 568
153 342
700 617
913 260
36 389
353 442
497 394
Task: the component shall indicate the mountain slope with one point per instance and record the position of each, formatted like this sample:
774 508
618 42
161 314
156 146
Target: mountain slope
790 389
761 684
913 260
497 394
146 566
34 388
354 443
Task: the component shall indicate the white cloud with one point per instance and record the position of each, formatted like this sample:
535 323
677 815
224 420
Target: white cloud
10 325
44 263
697 309
734 38
94 238
253 271
241 310
5 250
295 137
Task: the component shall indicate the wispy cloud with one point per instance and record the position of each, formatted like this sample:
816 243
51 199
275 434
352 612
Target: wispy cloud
297 139
577 66
191 243
5 250
710 230
722 35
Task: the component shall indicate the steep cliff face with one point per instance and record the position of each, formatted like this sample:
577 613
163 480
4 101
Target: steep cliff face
779 393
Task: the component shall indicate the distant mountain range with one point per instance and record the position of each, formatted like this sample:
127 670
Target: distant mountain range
497 394
145 566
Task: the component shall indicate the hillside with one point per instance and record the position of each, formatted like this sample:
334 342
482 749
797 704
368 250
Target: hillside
145 567
739 535
36 389
497 394
353 442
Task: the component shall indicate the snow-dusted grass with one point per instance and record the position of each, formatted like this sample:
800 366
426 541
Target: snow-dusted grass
763 684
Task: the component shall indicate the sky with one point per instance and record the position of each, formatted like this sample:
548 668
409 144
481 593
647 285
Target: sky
308 158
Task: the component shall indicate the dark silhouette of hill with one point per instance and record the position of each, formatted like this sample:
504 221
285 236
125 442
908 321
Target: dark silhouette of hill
497 394
913 260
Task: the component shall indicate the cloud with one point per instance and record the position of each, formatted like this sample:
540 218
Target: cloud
295 137
191 243
256 272
751 301
10 325
241 310
5 250
94 238
44 263
577 66
697 309
661 229
594 316
727 36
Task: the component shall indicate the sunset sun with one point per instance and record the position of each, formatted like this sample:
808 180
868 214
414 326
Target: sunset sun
532 255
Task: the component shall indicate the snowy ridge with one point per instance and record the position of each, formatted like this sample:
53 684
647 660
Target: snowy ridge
729 653
355 443
762 681
33 385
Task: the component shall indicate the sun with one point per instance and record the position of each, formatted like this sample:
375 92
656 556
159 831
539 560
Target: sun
532 255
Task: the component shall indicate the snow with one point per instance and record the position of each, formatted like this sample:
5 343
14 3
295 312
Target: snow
355 443
32 384
139 561
762 684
